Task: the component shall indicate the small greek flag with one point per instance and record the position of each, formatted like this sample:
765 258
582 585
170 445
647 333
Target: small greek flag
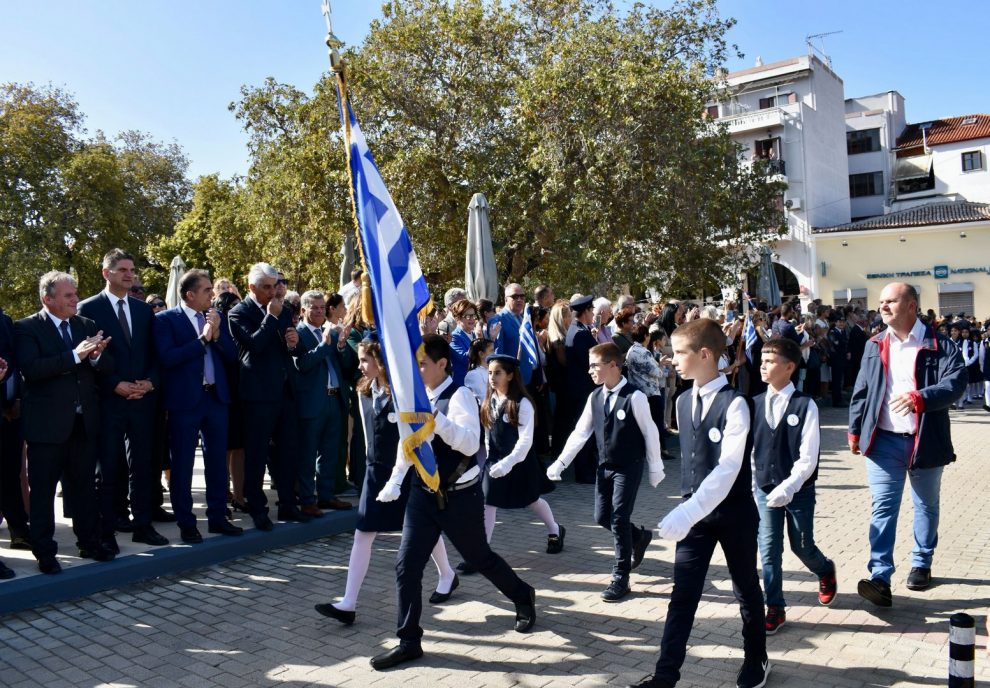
749 337
527 341
400 292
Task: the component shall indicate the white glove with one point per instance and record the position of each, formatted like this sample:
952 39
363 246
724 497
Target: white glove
390 492
778 497
556 470
656 476
499 468
677 523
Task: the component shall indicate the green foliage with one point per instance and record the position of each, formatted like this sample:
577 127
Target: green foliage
65 200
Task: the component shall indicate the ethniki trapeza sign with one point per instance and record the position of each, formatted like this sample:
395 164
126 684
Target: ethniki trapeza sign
938 272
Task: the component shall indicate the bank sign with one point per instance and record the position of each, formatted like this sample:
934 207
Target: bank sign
938 272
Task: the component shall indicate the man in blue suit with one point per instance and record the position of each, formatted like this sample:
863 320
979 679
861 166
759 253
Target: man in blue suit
265 338
193 342
127 400
11 441
321 358
511 320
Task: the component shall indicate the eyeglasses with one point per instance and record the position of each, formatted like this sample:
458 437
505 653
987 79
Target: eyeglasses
471 316
516 296
158 304
282 281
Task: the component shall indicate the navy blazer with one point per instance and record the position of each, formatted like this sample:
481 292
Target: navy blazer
260 338
181 357
12 381
53 382
313 359
133 362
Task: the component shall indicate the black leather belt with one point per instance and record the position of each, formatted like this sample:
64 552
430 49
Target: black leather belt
896 434
458 486
333 391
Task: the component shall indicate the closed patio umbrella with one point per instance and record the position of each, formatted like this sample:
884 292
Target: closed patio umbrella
175 272
480 272
766 287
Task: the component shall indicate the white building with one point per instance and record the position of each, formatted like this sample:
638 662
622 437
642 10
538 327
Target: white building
792 114
873 124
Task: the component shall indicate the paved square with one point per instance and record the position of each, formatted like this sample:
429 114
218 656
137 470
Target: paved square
251 622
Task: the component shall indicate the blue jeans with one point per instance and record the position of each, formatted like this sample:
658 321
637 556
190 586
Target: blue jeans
799 516
886 469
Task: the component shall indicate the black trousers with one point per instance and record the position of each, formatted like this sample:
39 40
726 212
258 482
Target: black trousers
838 375
615 497
266 422
657 404
733 526
73 461
541 405
11 498
126 434
463 522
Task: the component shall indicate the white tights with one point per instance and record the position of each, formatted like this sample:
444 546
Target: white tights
539 507
357 568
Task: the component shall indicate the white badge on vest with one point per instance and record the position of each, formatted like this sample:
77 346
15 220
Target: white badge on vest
392 418
714 435
793 420
620 414
505 418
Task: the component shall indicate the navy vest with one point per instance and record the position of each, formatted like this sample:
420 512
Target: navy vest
502 437
381 437
447 459
700 453
620 442
775 450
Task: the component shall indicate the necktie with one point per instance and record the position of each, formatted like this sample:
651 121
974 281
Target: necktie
771 412
66 336
609 398
378 402
122 317
209 377
696 414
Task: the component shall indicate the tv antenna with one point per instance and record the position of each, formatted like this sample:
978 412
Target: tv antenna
814 50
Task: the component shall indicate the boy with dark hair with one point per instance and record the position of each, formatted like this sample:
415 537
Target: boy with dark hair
786 440
618 415
718 506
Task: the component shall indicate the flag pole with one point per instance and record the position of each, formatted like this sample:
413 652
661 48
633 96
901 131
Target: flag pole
337 67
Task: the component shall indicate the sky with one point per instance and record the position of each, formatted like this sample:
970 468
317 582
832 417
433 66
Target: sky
172 68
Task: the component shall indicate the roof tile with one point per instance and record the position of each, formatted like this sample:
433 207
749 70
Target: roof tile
919 216
948 130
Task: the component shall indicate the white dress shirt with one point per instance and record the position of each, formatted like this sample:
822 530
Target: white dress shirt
477 381
807 461
717 484
58 326
460 428
527 424
113 298
585 427
900 378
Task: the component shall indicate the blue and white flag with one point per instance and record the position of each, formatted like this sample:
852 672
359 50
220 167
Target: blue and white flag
400 292
527 341
749 337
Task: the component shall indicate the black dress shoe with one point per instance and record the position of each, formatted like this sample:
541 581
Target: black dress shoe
342 615
875 591
616 590
123 525
225 528
159 515
919 578
149 536
643 540
20 541
293 514
110 543
555 543
651 682
99 552
396 656
439 597
191 535
466 568
526 612
262 522
6 573
49 565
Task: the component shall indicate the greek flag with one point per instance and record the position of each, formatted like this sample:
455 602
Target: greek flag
527 341
399 293
749 337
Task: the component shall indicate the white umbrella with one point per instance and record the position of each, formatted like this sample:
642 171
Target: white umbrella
480 272
175 271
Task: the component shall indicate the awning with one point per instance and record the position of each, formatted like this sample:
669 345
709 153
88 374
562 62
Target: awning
915 167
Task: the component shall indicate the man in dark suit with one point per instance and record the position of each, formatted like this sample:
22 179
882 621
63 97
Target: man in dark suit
127 398
838 357
320 389
11 441
60 355
265 338
5 571
857 344
578 343
192 341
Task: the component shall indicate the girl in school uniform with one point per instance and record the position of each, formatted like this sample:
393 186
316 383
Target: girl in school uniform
381 434
513 475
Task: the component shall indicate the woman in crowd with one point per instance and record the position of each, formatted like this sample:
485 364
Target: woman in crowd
465 316
378 417
223 302
560 320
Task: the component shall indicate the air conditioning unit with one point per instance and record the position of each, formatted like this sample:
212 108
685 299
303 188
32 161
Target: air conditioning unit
793 204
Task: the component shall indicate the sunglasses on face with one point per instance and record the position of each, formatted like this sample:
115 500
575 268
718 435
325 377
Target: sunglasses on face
158 304
517 296
137 290
282 281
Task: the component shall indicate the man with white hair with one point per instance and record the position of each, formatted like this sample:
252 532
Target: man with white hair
265 337
511 320
601 317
